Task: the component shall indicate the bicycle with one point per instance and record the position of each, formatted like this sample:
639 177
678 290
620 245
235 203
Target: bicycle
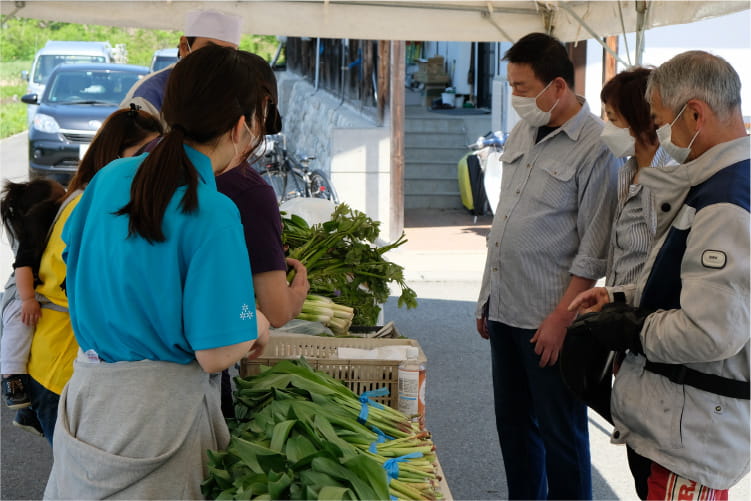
291 177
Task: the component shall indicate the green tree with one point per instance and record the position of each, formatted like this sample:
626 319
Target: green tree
21 38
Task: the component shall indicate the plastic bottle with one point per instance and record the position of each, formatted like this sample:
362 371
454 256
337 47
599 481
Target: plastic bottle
412 386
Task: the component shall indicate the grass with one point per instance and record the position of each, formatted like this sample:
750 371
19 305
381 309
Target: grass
12 87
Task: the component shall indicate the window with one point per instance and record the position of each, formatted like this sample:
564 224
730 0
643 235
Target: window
47 63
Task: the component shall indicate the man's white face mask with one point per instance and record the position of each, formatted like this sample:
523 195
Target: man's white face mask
664 135
527 108
619 140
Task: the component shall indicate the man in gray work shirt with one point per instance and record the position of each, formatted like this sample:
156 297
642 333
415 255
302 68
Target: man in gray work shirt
548 242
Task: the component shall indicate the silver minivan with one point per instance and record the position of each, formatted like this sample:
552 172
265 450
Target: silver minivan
57 52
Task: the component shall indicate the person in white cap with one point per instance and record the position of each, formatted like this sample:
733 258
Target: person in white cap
202 27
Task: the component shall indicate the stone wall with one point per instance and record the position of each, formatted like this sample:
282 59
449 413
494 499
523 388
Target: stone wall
311 115
347 144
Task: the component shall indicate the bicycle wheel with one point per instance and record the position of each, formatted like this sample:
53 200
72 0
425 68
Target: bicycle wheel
320 187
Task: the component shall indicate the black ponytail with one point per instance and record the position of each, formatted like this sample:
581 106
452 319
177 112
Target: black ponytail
161 173
206 94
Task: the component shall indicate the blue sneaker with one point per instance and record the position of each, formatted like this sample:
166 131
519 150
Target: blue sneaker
26 419
15 392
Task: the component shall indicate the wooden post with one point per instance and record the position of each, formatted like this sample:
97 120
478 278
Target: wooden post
578 54
366 85
384 61
397 138
608 61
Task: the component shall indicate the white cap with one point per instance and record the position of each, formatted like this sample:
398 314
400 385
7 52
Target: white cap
213 24
412 352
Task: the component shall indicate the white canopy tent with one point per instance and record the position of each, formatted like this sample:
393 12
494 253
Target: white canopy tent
398 20
394 19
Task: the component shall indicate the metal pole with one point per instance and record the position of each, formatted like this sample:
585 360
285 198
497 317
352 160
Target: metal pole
641 19
596 37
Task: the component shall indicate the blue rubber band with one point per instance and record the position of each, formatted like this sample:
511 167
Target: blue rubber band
381 438
365 399
392 465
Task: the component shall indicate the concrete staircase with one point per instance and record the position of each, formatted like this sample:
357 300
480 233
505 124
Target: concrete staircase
433 146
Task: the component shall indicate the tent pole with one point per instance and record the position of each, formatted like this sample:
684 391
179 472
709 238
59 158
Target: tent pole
489 16
641 19
591 32
19 6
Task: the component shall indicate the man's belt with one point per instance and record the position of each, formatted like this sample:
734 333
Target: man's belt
680 374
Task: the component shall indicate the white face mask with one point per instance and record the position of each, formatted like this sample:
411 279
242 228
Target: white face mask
664 135
255 156
527 108
620 141
250 143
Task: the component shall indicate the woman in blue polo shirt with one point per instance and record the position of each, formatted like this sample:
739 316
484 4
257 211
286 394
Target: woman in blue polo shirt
161 295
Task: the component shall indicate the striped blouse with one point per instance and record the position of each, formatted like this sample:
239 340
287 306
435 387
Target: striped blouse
634 224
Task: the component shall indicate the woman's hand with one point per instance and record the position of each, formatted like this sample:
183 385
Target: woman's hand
591 300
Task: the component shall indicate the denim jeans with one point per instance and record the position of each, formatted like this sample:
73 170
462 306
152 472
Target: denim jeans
44 402
541 426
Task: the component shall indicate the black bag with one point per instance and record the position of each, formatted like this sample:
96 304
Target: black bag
587 370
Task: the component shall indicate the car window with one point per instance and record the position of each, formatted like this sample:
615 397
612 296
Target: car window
47 63
105 87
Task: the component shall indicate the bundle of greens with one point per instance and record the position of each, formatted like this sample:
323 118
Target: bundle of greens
336 317
344 263
297 436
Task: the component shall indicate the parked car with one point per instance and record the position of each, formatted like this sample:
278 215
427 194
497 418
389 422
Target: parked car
58 52
163 58
77 99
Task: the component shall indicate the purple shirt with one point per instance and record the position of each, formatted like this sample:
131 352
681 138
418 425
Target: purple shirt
259 213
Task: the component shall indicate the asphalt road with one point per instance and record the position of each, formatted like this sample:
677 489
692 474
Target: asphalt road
459 392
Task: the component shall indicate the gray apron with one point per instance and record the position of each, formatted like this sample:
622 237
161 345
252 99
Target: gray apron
135 430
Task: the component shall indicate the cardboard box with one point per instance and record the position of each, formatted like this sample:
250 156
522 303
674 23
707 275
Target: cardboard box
431 78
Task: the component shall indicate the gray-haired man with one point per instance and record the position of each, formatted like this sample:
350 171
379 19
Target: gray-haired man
681 397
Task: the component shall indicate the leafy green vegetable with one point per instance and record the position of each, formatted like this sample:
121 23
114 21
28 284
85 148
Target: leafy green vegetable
300 438
344 262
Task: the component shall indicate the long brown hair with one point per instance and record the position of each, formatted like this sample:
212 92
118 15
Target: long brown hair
207 92
121 130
